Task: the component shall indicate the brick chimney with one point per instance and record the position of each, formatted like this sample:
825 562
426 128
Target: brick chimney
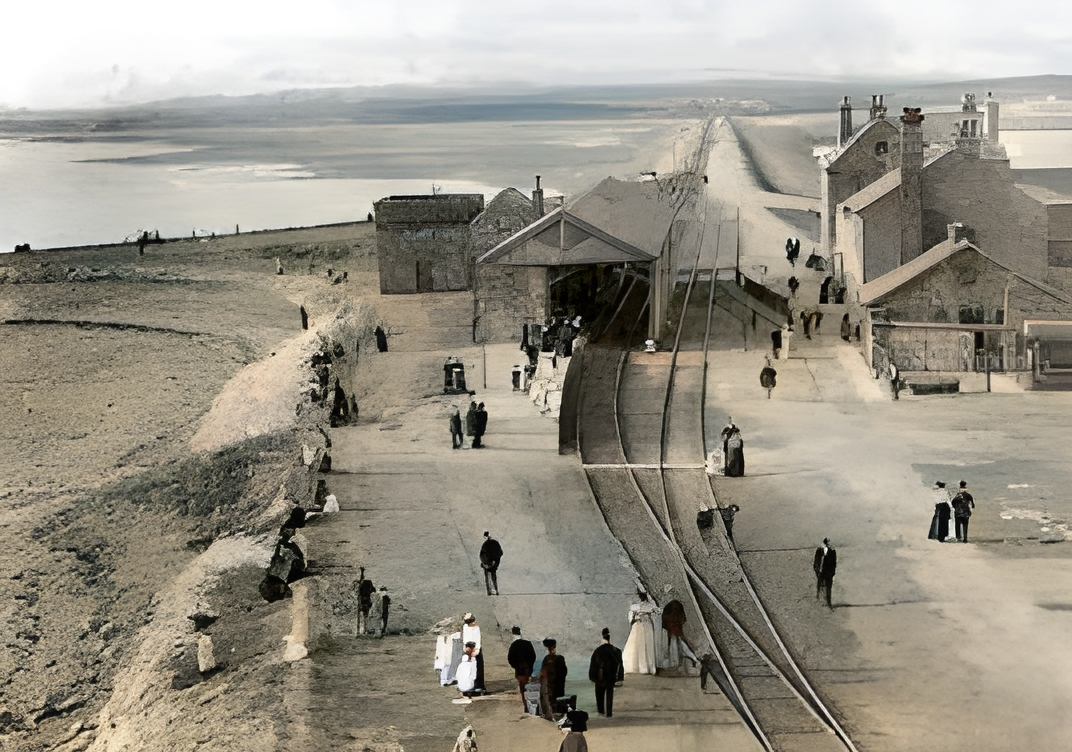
537 198
845 131
911 184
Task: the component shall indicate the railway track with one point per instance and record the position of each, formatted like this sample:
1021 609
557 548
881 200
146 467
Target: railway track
641 436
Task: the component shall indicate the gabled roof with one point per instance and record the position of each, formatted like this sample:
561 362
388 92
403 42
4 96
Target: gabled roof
873 291
560 238
869 125
639 213
872 192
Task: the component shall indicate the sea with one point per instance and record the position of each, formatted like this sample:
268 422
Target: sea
79 188
92 177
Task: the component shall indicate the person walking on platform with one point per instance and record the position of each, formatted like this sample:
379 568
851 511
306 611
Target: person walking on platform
552 678
606 670
490 556
940 521
457 437
963 504
364 589
825 565
522 658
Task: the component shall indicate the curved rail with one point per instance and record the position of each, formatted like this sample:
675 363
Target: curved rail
804 693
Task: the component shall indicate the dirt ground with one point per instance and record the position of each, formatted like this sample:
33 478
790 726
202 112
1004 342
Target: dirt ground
110 364
159 412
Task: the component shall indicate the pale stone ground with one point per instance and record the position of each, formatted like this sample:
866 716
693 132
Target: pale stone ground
413 512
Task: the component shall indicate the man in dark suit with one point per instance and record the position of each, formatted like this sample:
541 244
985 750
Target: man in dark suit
605 670
825 566
490 555
963 504
521 657
552 678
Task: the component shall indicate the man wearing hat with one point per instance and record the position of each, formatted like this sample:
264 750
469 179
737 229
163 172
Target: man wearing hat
825 566
552 678
574 741
963 504
521 657
605 670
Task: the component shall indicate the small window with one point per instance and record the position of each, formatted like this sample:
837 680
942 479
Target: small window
971 314
882 147
999 316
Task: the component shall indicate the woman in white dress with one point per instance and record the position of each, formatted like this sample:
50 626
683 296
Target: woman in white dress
639 655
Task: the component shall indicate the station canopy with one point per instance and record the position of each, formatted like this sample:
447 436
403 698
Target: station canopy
560 238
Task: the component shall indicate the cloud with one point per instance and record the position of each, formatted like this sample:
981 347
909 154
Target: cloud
114 51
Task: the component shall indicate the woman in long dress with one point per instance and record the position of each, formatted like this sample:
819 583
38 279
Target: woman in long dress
940 521
639 654
735 454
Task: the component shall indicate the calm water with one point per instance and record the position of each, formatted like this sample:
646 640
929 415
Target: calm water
1037 150
74 190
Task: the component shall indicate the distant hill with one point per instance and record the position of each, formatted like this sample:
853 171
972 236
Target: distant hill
520 102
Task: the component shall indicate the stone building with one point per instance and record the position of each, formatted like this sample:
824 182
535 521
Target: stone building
955 265
422 242
506 296
625 226
939 311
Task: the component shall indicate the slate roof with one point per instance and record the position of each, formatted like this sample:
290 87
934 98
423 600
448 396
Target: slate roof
872 292
560 238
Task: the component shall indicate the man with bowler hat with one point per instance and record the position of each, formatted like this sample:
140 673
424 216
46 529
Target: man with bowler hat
963 504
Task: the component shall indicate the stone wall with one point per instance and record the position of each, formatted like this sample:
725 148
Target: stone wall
881 229
854 169
966 280
506 296
1059 240
1009 225
422 242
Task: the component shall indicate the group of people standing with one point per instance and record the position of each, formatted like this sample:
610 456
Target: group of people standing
372 604
474 425
958 506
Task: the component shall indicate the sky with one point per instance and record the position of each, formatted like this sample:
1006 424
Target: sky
73 53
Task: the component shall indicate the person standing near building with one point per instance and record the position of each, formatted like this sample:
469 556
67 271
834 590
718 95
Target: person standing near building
895 380
825 565
963 504
522 658
605 670
490 555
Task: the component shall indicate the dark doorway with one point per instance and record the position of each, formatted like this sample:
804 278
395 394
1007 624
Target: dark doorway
824 291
